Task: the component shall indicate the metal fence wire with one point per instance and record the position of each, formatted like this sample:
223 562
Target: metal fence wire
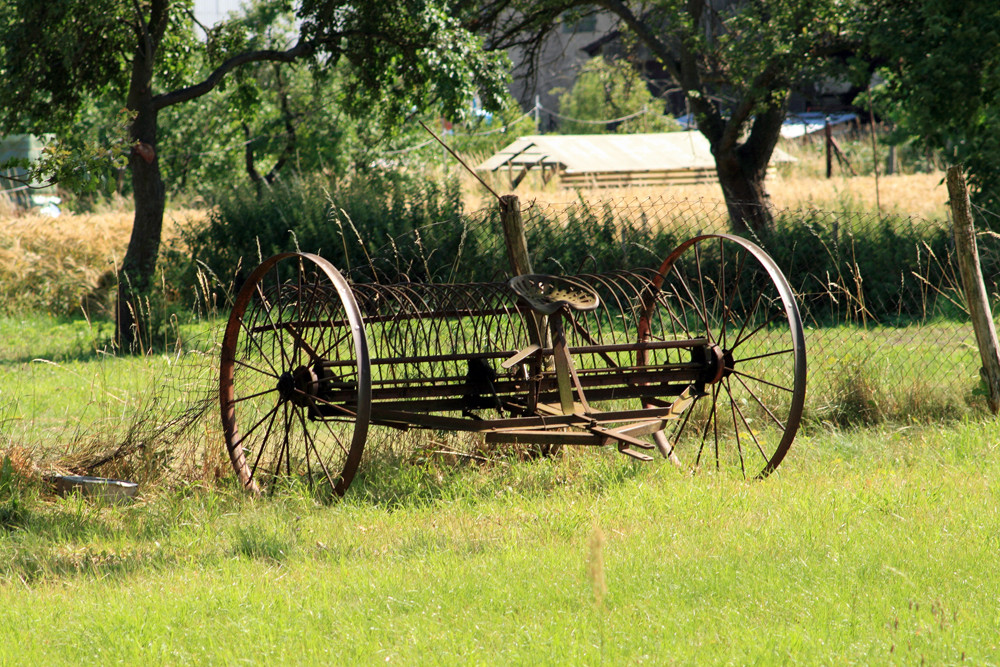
887 332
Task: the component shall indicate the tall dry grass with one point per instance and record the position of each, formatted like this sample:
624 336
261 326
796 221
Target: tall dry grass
58 265
918 195
799 184
64 264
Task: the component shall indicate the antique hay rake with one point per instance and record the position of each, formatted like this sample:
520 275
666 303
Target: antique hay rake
702 359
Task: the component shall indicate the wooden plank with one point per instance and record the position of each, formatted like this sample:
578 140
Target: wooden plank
644 428
634 178
521 356
634 454
621 437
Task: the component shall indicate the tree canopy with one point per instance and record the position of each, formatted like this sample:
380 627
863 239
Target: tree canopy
60 55
940 62
611 90
736 63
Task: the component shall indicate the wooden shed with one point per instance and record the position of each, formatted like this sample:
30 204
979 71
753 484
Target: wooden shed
612 160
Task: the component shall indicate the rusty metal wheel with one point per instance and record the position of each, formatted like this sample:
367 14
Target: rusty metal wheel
295 383
727 292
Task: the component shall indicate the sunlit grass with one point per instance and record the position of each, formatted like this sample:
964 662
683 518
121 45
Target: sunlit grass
868 546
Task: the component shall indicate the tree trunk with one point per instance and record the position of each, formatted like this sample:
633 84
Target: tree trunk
135 277
742 166
743 188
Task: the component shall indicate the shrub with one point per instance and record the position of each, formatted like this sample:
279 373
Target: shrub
351 222
858 268
13 510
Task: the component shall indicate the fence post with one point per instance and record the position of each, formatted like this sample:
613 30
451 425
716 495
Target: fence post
828 140
520 263
975 287
513 235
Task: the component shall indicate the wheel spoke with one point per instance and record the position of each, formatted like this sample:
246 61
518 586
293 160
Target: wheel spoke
257 395
761 403
736 426
736 281
244 364
311 444
741 360
316 399
335 344
701 288
748 318
279 323
253 428
763 381
774 316
274 327
300 341
263 443
746 423
704 430
336 437
256 343
691 300
679 429
722 293
742 305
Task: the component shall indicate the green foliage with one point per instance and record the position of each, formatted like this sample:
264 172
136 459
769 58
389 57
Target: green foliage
398 56
595 239
735 63
365 225
475 138
60 59
293 121
606 90
13 511
861 268
404 54
942 82
845 266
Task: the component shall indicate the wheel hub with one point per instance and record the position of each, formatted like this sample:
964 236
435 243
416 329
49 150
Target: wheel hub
299 386
718 363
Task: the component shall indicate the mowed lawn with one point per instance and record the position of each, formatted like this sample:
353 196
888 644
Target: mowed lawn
866 547
871 546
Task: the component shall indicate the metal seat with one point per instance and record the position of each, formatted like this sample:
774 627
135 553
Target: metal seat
546 294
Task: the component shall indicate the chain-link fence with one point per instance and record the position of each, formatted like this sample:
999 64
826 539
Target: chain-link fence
887 333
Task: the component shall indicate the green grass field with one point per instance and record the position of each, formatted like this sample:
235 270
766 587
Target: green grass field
874 545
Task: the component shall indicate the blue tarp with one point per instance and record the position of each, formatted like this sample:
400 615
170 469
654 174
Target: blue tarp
795 125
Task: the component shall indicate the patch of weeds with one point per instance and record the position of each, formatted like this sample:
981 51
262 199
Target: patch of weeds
13 508
858 396
923 402
395 481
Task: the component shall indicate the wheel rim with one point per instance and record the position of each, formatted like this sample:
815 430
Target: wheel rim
729 291
295 386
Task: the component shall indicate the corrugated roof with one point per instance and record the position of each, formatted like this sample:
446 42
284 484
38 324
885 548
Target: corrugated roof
607 153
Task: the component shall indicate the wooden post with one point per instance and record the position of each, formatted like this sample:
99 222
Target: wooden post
520 263
828 139
975 288
513 235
